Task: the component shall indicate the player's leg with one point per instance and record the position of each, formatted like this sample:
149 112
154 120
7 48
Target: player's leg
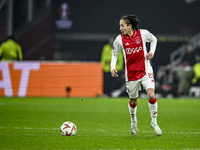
133 108
132 105
152 102
148 83
132 90
153 107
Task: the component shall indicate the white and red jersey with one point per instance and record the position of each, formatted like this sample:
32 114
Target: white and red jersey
134 50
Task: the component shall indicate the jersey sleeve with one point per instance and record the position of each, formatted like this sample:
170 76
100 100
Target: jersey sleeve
150 38
115 52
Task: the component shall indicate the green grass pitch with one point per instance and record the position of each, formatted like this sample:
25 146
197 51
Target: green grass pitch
102 123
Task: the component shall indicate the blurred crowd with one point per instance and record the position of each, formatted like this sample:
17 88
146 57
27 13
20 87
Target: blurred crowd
178 81
10 50
170 81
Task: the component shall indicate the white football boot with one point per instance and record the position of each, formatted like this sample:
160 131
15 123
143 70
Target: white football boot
134 129
156 128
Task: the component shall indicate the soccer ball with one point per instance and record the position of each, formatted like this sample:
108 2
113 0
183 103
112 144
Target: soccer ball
68 128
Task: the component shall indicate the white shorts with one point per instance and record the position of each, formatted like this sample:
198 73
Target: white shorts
133 87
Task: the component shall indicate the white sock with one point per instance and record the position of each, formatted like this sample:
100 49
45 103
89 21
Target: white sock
132 111
153 107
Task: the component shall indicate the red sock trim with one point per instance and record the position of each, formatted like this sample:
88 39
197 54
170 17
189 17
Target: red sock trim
133 106
153 101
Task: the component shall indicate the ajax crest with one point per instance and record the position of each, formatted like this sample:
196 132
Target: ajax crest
137 41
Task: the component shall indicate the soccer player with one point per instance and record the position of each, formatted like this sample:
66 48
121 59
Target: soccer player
138 69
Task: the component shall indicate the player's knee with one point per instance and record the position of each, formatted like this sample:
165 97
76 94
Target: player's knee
151 93
152 96
134 101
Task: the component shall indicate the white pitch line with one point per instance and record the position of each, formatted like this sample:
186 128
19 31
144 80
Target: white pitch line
28 128
153 131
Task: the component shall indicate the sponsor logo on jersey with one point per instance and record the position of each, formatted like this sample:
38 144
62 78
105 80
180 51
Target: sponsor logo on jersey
133 50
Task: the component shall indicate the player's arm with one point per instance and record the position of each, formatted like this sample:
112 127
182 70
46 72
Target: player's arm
153 42
114 73
115 52
149 56
120 61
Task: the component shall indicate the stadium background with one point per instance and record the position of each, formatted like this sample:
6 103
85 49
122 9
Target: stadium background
93 22
102 123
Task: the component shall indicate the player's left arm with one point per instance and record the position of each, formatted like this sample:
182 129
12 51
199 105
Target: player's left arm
149 56
153 42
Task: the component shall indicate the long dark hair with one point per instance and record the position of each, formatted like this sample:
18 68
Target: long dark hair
131 19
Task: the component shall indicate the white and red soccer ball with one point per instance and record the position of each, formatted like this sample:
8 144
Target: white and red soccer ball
68 128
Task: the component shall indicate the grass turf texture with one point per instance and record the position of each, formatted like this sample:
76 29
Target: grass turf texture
102 123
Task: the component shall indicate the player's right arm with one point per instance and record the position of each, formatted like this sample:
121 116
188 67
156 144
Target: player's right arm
114 73
115 52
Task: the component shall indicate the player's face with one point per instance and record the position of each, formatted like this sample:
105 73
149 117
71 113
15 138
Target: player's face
124 28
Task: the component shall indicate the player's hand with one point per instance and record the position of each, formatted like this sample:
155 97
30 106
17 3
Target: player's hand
114 73
149 56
